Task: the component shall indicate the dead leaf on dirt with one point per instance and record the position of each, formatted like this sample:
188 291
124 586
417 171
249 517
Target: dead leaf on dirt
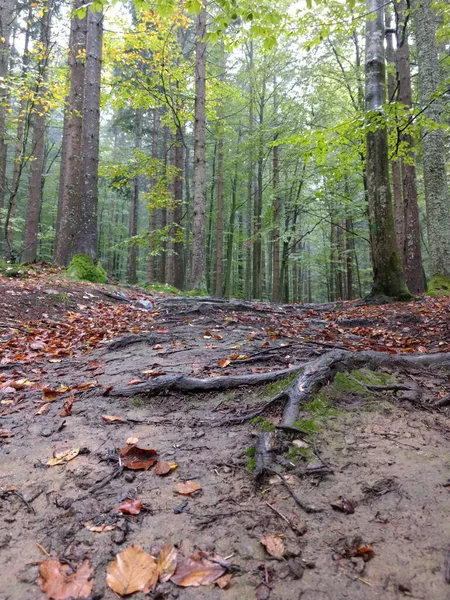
365 551
55 360
263 592
163 467
132 441
59 582
44 408
95 364
98 528
87 385
38 345
113 419
196 570
135 382
49 395
224 362
187 488
63 457
133 570
130 506
67 408
5 433
274 545
167 563
224 581
136 458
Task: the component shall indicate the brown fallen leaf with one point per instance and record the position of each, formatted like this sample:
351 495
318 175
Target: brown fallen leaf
67 408
133 570
113 419
224 581
132 441
5 433
274 545
136 458
163 467
87 385
196 570
63 457
98 528
44 408
263 592
59 582
95 364
130 506
224 362
187 488
135 382
167 563
49 395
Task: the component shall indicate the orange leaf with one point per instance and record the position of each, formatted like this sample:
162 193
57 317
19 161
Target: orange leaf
163 467
224 581
112 419
134 382
98 528
167 563
67 408
59 582
196 571
130 507
133 570
274 545
187 488
224 362
134 457
63 457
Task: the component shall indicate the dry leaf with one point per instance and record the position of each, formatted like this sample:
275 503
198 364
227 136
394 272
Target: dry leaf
197 570
163 467
67 408
87 385
167 563
263 592
187 488
135 382
224 581
224 362
95 364
63 457
98 528
49 395
274 545
5 433
130 507
134 457
60 583
113 419
44 408
133 570
132 441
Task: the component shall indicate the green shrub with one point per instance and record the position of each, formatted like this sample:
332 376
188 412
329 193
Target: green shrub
83 268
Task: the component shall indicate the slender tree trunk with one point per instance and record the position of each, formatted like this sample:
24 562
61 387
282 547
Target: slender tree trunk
257 245
276 211
152 213
198 232
249 217
134 207
178 199
433 140
71 180
388 274
219 228
162 275
209 231
86 241
6 18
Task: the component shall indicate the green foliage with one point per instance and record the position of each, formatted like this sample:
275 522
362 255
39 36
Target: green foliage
320 407
162 287
439 285
83 268
262 424
272 389
296 454
307 426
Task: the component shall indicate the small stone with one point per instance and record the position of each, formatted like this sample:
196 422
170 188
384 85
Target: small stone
350 439
296 569
130 477
226 470
46 432
51 292
300 444
358 564
405 586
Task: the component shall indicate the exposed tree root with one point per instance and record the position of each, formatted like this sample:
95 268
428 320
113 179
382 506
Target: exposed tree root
135 338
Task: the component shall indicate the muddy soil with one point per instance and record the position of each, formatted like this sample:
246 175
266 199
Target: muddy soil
385 485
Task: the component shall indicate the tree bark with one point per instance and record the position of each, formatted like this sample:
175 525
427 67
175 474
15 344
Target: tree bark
219 222
276 228
257 214
71 182
388 274
198 261
6 18
433 140
134 207
152 213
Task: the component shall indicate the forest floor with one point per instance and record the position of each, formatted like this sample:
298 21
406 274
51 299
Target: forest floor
370 457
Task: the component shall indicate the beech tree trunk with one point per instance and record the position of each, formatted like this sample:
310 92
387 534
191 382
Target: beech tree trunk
178 213
86 241
152 212
219 222
198 261
388 274
276 223
6 17
258 205
71 180
433 139
35 182
134 206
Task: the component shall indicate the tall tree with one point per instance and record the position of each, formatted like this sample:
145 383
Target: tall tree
433 139
134 205
387 268
198 261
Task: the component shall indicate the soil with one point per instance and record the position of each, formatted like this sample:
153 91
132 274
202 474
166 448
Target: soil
380 459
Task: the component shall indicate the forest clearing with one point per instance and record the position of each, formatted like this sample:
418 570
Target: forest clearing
359 508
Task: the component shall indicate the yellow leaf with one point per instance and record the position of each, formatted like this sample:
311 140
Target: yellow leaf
63 457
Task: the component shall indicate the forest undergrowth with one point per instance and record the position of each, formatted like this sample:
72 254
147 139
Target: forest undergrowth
175 447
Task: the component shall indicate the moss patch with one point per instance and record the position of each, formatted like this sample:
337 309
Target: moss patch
439 286
83 268
162 287
295 455
262 424
321 407
272 389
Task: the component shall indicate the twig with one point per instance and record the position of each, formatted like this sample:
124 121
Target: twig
98 486
302 505
19 495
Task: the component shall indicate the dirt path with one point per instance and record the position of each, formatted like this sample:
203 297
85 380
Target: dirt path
382 461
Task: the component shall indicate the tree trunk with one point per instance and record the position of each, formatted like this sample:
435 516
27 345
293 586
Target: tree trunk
86 241
388 274
219 223
35 186
198 232
71 181
134 207
257 224
152 213
6 18
177 216
433 140
276 229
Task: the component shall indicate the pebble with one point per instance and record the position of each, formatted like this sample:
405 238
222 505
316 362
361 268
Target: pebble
130 477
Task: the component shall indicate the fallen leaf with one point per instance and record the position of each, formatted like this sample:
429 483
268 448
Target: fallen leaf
167 563
224 362
196 570
38 345
59 582
95 364
67 408
157 347
224 581
134 457
133 570
5 433
187 488
135 382
55 360
132 441
263 592
274 545
63 457
87 385
49 395
44 408
98 528
163 467
113 419
130 506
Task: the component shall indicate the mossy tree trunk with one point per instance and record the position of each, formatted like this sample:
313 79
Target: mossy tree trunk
387 267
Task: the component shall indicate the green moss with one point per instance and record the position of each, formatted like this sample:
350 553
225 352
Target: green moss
297 454
343 383
439 286
138 401
321 407
83 268
262 424
272 389
62 297
250 451
373 377
251 464
162 287
307 426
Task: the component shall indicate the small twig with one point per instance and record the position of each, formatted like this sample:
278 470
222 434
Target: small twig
447 568
19 495
305 507
98 486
